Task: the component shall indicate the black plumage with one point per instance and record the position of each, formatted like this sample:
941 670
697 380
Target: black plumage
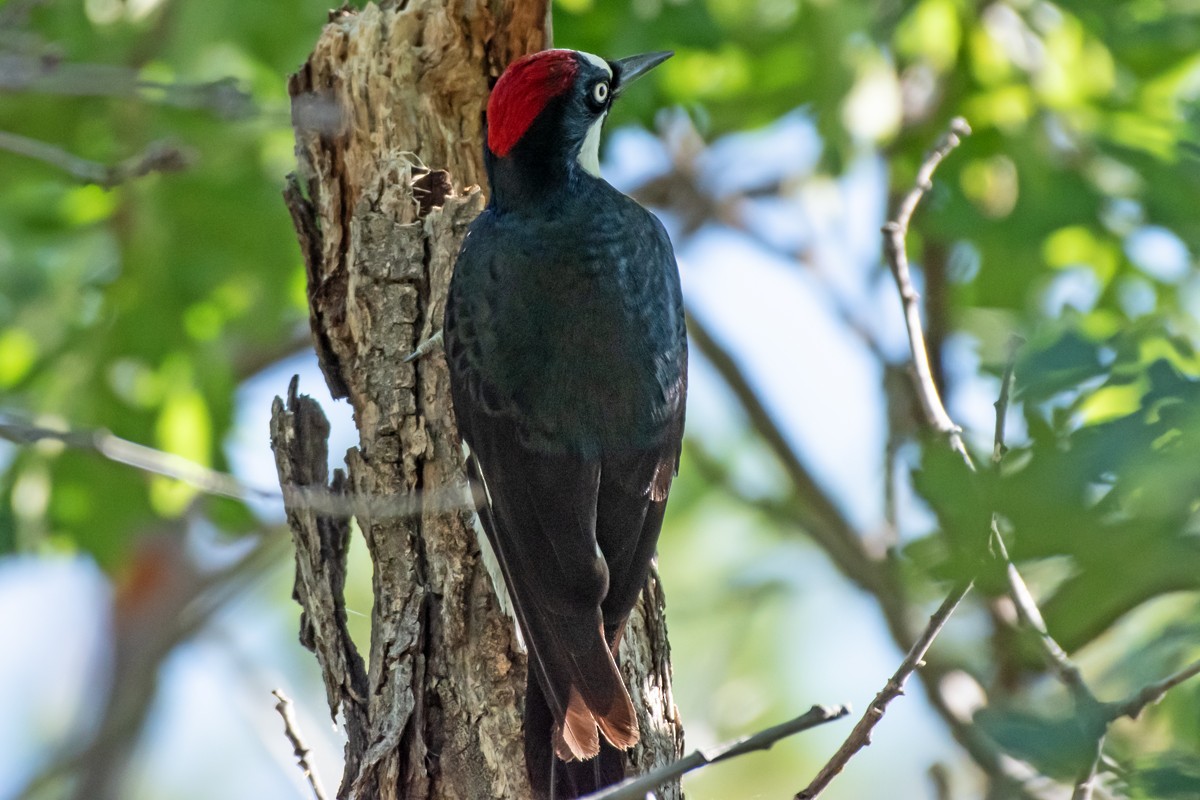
565 337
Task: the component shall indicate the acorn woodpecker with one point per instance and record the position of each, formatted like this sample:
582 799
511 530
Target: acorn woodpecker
564 333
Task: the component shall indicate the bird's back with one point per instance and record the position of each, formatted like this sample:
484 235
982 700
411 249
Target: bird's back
572 320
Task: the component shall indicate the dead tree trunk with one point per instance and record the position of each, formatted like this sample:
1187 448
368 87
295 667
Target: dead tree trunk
388 115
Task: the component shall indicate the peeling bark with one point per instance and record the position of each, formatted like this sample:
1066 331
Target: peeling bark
388 112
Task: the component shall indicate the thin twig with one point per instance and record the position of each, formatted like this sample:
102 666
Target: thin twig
1087 707
894 235
1027 608
1085 786
895 232
46 73
1133 706
999 448
860 737
1093 713
813 510
1029 614
1006 772
221 484
157 157
138 456
638 788
292 731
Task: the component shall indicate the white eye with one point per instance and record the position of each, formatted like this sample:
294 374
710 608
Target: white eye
600 93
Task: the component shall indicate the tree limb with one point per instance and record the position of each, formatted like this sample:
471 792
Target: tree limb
209 481
895 233
1096 716
300 441
47 73
157 157
999 448
640 787
299 748
1133 706
860 737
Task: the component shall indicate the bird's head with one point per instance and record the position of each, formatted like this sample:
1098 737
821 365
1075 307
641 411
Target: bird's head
545 113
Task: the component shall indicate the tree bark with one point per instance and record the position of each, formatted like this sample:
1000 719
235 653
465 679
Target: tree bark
388 115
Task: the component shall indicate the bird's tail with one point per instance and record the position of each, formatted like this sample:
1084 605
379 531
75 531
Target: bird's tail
576 699
552 778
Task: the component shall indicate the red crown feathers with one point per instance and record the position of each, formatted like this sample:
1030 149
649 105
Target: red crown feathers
523 91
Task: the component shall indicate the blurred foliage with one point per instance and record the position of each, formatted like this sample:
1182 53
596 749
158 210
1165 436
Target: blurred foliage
141 308
1071 216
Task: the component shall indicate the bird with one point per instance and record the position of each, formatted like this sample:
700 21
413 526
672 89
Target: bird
566 344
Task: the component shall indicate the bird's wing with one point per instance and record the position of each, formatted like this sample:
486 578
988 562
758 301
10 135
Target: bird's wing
634 485
633 498
540 517
567 528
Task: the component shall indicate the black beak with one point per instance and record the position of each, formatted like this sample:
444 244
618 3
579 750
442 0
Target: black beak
628 70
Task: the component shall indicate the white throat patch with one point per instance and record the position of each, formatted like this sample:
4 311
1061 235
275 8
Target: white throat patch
589 151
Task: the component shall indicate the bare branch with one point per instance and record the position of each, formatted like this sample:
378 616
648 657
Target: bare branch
999 448
1086 704
1085 786
300 441
1094 714
1029 614
821 517
1014 777
138 456
860 560
817 513
1133 706
221 484
47 73
1108 713
895 232
853 561
292 731
1099 716
158 157
860 737
638 788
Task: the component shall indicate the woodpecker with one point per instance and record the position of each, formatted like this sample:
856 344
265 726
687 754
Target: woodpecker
565 338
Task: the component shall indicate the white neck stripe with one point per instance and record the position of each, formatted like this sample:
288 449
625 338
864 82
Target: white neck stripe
589 151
